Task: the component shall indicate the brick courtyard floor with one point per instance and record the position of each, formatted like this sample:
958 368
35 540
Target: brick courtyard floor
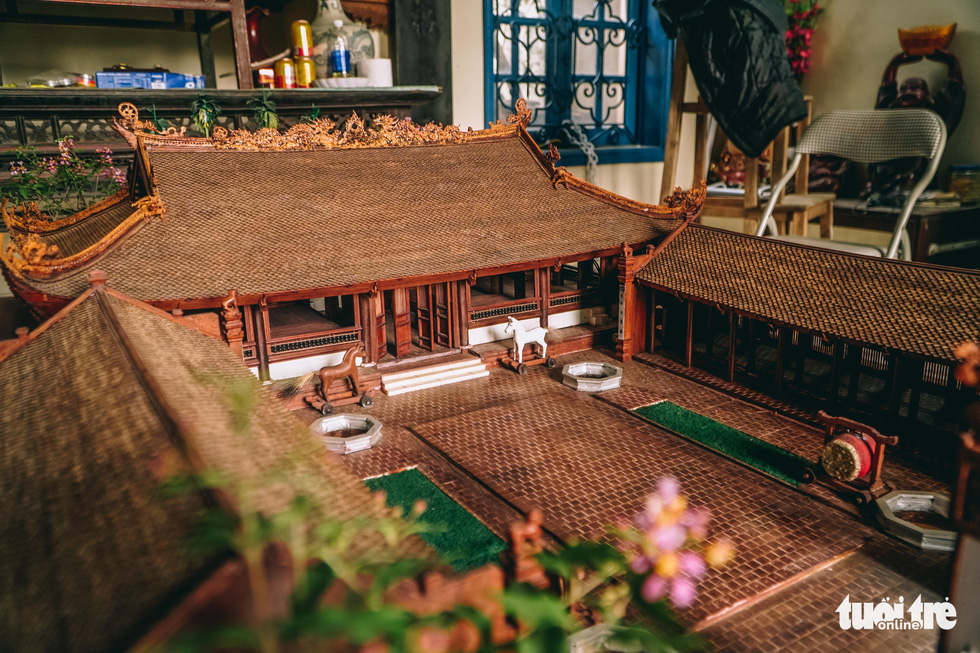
502 445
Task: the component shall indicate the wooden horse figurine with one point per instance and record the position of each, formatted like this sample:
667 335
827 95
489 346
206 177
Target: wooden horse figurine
522 337
347 369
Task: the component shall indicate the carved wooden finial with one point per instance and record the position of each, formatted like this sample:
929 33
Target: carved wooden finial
22 333
97 278
177 312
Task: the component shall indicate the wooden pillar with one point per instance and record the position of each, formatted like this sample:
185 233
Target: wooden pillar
799 361
627 301
371 307
463 313
915 380
401 315
836 368
709 345
231 323
542 289
894 386
689 342
732 337
781 340
653 321
261 341
239 31
750 354
520 284
640 307
854 371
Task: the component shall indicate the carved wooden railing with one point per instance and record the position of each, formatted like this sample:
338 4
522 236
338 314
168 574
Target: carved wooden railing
308 344
496 313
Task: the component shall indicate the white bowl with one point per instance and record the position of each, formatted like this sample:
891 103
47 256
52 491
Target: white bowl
342 82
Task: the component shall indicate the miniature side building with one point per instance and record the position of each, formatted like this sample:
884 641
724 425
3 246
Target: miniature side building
100 405
395 237
802 323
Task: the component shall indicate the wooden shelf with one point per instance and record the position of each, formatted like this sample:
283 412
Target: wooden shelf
41 116
203 24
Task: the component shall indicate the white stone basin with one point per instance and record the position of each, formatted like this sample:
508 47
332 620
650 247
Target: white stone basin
922 536
592 377
368 428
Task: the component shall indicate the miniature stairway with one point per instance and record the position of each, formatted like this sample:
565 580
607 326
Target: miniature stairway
419 378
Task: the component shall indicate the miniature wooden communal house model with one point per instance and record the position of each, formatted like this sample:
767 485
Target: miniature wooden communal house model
295 247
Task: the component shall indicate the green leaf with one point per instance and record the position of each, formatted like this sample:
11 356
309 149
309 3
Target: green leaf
535 608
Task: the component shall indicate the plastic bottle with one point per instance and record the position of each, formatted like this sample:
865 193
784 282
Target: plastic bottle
340 54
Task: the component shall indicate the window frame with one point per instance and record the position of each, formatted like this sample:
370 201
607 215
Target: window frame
648 95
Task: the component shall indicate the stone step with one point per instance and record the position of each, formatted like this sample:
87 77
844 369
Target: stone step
424 382
469 361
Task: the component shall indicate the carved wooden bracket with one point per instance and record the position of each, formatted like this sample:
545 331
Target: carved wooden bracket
561 177
231 322
552 154
471 280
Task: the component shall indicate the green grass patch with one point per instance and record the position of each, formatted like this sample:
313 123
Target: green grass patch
766 457
461 538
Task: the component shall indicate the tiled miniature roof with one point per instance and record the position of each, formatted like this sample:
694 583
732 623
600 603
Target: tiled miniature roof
94 406
85 233
263 222
916 309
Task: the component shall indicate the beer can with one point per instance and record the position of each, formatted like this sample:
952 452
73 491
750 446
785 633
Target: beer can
285 76
305 72
302 39
267 78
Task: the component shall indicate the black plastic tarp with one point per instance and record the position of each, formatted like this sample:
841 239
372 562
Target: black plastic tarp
737 53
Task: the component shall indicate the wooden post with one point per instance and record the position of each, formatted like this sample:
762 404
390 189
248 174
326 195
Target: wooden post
750 354
401 316
653 321
365 307
800 358
239 31
261 343
732 336
689 342
916 383
781 338
854 370
835 371
894 386
463 318
626 321
675 115
231 323
542 281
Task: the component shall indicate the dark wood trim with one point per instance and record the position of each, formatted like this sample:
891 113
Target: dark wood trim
261 317
782 337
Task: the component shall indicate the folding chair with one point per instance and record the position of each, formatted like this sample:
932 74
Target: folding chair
867 136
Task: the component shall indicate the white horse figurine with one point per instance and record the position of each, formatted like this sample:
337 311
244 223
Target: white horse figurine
522 337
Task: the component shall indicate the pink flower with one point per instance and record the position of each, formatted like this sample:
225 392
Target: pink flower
640 564
669 538
668 488
682 593
654 588
696 520
693 564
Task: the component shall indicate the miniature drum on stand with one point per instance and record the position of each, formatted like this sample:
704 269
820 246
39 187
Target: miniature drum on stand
848 456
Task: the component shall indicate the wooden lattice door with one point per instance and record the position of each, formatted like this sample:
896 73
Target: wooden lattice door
423 309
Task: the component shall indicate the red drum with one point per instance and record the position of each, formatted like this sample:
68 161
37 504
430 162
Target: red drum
848 456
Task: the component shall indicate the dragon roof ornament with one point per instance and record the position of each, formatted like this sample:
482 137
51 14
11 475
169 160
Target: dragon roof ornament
323 133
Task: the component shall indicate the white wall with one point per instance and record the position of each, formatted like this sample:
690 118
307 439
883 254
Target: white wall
854 41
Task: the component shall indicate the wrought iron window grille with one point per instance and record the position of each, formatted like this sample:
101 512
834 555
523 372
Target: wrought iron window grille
603 65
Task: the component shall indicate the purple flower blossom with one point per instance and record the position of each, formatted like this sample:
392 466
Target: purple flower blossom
654 588
105 156
17 168
692 564
682 593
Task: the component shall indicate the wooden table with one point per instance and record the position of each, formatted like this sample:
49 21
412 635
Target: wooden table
941 236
